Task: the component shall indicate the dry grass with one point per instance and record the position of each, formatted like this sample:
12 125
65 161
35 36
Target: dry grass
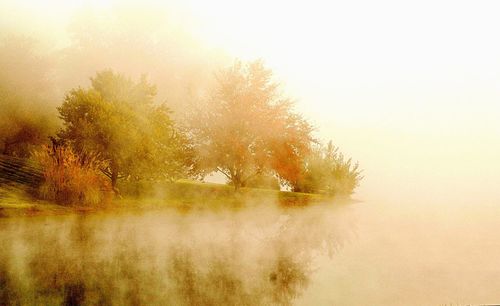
70 179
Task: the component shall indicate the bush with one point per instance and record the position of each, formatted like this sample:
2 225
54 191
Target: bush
71 179
327 171
264 180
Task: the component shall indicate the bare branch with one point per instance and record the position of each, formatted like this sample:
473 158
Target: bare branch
222 171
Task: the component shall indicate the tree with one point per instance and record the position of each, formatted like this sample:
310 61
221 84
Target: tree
325 170
25 95
21 130
248 127
118 119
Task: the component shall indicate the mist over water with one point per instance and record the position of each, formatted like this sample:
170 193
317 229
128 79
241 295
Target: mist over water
364 253
255 256
418 254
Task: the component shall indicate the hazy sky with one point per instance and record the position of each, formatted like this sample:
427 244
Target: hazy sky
412 91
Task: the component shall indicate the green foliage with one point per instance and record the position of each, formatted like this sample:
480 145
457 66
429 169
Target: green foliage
327 171
264 180
248 127
118 119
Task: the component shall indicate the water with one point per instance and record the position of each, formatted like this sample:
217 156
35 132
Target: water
415 253
253 256
359 254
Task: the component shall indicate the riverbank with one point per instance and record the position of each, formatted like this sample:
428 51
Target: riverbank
184 195
16 201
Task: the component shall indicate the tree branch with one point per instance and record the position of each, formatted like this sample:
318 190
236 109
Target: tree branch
222 171
106 172
259 171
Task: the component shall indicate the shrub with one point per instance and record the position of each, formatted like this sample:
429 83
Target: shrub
71 179
327 171
264 180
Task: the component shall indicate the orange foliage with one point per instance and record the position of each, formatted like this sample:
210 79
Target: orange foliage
70 179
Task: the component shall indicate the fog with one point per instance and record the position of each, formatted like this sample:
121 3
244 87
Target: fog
256 256
411 91
413 256
78 39
260 255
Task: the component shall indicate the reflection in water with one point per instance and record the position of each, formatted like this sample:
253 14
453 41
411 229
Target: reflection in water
257 256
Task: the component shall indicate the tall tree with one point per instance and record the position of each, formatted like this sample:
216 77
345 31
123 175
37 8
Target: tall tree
248 127
118 119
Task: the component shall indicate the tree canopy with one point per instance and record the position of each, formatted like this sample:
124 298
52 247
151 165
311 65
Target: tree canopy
248 127
119 119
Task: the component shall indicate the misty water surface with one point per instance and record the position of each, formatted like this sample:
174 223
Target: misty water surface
359 254
252 256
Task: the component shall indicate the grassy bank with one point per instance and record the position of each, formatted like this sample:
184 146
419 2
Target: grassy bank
16 199
195 193
20 178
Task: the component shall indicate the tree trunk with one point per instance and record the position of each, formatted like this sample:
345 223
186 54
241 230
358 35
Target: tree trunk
237 184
